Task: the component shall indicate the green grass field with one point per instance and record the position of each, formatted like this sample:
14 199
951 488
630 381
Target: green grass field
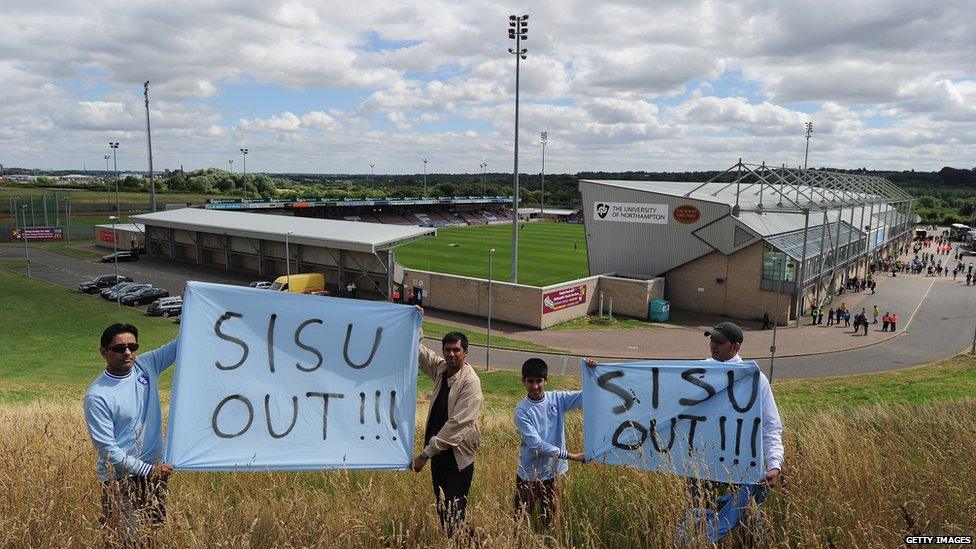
546 254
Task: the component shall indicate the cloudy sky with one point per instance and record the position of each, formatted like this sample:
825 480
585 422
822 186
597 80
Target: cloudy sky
331 86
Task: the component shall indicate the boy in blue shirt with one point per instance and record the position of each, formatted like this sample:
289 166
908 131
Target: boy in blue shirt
124 422
542 453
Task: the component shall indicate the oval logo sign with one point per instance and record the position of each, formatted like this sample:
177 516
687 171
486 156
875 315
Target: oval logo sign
686 214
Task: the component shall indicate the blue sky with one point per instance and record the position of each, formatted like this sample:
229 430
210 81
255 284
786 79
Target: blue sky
324 87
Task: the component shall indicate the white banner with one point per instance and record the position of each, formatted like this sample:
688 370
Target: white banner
281 381
630 212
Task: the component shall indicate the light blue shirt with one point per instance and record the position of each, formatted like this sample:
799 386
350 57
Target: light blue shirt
542 454
124 418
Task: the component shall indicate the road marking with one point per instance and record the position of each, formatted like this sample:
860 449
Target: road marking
919 306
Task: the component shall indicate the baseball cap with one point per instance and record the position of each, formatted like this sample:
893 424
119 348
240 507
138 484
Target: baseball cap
725 331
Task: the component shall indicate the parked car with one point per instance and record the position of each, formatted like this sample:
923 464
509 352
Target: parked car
166 307
263 285
122 255
126 290
120 286
97 283
145 295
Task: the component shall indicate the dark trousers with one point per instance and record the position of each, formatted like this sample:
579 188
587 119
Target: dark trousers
451 489
530 494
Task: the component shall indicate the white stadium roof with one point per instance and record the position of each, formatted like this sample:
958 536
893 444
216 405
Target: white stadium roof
326 233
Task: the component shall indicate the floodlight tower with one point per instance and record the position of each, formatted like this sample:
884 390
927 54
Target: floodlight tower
809 129
244 180
542 202
518 30
115 164
425 178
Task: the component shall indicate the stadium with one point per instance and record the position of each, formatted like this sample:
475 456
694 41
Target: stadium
753 240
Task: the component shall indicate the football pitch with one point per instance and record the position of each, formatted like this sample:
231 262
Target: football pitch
546 252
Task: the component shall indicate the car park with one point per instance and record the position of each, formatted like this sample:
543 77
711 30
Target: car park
121 255
166 307
143 296
129 288
120 286
98 283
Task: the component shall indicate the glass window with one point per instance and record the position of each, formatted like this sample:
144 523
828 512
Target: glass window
777 265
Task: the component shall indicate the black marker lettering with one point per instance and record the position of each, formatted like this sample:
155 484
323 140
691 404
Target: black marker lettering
393 422
604 382
313 350
655 374
250 416
377 408
738 434
752 399
325 408
721 425
372 353
362 408
227 316
687 375
267 416
674 424
691 430
271 325
629 425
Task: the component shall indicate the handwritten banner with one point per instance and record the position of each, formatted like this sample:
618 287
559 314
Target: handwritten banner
280 381
684 417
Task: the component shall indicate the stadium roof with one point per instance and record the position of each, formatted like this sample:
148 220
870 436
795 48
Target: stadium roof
326 233
548 211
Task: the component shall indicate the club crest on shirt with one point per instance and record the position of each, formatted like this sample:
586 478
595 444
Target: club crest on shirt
143 379
553 409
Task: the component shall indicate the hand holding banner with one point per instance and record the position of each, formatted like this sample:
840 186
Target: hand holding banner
697 419
281 381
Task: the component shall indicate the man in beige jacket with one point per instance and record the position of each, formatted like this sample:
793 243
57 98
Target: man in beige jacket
452 434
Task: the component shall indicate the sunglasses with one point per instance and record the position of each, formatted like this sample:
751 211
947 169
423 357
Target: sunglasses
121 347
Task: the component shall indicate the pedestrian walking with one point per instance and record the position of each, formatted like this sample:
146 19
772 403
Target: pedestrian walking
885 321
830 317
875 311
894 322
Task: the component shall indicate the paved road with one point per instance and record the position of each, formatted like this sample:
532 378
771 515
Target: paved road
942 327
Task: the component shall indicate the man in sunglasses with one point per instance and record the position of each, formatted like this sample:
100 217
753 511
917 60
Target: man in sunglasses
124 421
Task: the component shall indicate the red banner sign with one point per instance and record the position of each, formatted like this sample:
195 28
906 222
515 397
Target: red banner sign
37 233
106 236
561 299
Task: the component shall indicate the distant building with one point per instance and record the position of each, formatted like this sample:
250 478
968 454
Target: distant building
727 246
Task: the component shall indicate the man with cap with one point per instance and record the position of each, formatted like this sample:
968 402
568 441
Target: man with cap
725 340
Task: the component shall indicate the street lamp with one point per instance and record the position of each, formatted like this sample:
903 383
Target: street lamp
518 30
779 289
491 254
115 255
115 164
288 260
372 173
244 181
23 234
542 202
808 127
425 178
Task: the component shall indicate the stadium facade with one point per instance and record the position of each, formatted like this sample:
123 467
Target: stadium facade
753 239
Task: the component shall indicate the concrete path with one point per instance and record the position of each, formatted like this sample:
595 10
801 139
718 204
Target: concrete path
936 321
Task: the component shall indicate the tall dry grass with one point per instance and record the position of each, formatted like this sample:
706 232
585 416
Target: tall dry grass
859 477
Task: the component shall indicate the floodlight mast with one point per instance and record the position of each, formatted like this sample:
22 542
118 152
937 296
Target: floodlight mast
808 127
518 30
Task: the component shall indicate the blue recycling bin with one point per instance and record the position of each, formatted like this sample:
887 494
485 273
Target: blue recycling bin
660 310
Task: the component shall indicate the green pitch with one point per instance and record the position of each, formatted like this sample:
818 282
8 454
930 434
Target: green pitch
546 254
